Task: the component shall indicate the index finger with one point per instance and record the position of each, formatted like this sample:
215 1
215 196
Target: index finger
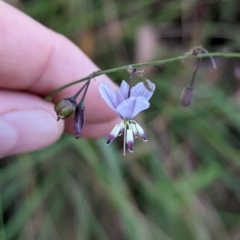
36 59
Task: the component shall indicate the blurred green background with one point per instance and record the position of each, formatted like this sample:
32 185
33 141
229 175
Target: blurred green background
185 182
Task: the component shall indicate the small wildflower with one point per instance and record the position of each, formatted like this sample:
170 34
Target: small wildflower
79 119
65 108
187 96
127 108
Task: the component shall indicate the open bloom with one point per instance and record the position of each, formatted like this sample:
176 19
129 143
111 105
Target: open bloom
127 106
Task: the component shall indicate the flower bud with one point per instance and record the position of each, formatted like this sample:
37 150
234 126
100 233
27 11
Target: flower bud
79 119
187 96
149 85
65 108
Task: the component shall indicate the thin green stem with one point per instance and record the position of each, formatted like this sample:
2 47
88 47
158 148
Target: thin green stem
85 91
195 72
74 97
152 63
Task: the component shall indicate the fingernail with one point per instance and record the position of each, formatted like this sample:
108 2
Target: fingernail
27 130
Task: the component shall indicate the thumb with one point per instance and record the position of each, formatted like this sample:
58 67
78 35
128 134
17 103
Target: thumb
29 126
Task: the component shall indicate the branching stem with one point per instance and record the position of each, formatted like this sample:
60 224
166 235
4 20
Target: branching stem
152 63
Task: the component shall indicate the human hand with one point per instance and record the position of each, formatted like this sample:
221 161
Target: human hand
33 62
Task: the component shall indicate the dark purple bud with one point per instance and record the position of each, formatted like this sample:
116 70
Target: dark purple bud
65 108
187 96
79 119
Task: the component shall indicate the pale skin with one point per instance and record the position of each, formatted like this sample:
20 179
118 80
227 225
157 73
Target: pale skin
34 61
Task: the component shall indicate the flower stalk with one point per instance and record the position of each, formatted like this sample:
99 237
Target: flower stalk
67 106
195 72
151 63
74 97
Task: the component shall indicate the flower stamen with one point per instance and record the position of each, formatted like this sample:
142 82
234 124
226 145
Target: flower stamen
130 140
124 141
113 134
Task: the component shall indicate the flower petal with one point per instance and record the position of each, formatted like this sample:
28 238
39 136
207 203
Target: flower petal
124 87
108 95
140 90
129 108
112 98
122 128
134 129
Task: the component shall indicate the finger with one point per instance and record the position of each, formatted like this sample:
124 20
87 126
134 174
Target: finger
36 59
27 123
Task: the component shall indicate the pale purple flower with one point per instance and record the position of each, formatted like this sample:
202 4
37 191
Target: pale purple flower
127 108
